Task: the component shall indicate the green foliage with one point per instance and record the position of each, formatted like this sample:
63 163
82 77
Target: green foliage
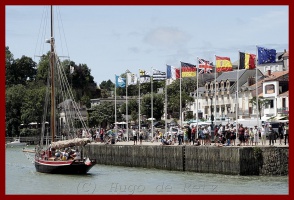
261 103
14 102
103 115
19 71
158 106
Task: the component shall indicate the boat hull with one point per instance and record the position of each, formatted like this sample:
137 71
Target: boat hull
63 167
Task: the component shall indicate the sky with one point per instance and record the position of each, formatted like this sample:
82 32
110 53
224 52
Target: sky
113 39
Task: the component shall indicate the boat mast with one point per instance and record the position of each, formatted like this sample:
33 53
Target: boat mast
52 59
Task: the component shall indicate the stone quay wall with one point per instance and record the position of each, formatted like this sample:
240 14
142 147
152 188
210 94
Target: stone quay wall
218 160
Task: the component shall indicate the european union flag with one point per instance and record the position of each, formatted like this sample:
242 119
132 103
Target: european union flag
266 55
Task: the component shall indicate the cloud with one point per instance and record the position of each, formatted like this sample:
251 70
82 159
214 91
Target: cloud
166 37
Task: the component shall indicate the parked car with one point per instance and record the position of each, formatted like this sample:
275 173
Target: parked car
158 125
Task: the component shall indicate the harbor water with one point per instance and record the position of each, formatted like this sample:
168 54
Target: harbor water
22 178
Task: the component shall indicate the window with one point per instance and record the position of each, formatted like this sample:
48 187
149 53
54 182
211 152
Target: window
270 89
271 103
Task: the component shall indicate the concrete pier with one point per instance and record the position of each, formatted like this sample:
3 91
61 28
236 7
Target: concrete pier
259 160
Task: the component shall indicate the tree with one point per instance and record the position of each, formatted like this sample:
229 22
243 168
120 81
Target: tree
103 115
20 70
262 102
14 101
158 106
33 105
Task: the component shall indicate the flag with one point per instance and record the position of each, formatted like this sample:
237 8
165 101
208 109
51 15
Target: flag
120 82
172 72
223 64
247 61
144 76
72 69
158 75
204 66
132 79
188 70
266 55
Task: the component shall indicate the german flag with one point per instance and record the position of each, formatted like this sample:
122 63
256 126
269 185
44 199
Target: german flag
188 70
223 64
247 61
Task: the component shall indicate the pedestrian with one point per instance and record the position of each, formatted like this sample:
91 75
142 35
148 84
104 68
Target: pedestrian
263 135
246 135
193 133
251 136
201 136
215 135
281 132
286 133
135 136
101 135
141 136
180 136
233 134
271 135
241 132
256 135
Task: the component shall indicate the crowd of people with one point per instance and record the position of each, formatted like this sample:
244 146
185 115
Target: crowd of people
221 135
228 135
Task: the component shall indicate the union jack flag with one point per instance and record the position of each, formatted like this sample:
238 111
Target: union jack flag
204 66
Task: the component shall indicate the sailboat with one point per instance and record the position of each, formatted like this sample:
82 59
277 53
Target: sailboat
63 156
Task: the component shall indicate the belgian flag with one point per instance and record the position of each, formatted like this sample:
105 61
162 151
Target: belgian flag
247 61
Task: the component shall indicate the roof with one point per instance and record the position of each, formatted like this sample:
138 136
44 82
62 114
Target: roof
276 75
285 94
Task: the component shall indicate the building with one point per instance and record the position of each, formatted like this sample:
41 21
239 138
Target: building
219 97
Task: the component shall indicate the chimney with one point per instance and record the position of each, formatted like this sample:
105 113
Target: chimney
250 81
269 73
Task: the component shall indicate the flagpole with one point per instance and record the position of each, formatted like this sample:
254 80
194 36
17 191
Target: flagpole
152 102
237 95
127 120
214 113
165 103
115 105
257 106
197 77
139 107
181 96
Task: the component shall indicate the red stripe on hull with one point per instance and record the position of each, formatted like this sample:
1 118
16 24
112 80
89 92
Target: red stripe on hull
63 167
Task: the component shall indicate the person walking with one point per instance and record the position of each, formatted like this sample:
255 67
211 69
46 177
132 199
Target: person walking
286 133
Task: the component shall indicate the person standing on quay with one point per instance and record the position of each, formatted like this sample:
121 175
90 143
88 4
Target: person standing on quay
286 133
281 132
180 136
271 135
256 135
263 135
135 136
193 132
241 132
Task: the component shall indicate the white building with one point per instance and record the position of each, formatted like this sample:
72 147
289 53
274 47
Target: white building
218 98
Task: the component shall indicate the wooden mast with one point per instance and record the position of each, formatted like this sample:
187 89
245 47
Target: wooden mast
52 63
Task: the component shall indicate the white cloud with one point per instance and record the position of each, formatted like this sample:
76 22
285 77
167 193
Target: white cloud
166 37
